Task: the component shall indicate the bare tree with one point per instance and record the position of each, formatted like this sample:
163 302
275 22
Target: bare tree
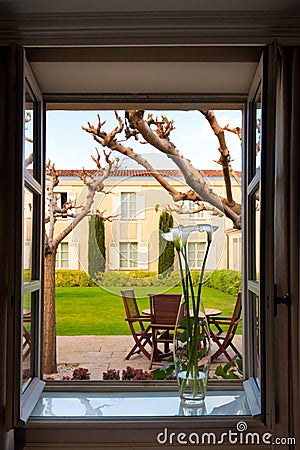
94 184
135 126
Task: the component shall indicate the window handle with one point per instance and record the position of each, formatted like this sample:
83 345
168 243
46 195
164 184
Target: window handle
284 300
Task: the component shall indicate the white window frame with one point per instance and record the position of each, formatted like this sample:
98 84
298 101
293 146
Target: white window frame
59 255
193 264
128 205
132 263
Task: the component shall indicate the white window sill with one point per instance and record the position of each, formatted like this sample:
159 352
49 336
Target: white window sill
154 403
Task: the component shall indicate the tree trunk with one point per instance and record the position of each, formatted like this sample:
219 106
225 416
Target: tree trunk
50 364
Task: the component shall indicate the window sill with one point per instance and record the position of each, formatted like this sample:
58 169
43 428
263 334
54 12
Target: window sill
80 415
137 404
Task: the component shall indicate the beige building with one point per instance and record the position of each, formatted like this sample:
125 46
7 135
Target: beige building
136 199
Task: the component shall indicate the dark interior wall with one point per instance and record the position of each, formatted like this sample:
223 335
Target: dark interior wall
6 285
155 5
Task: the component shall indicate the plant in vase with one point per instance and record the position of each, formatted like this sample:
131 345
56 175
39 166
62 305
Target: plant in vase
191 338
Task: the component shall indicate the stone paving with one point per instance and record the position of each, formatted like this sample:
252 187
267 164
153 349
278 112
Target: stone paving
99 353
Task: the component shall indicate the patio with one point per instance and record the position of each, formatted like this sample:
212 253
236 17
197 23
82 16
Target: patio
99 353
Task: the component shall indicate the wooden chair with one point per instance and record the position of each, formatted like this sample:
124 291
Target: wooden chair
164 310
223 338
140 333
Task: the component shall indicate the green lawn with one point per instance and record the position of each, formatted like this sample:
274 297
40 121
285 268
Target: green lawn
96 311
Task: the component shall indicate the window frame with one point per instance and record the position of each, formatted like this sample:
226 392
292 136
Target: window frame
22 397
127 203
195 243
151 424
58 264
129 259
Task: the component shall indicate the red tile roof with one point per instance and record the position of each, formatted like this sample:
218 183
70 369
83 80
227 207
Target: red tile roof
139 173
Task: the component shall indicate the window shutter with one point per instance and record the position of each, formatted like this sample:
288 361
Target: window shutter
143 255
140 205
73 255
114 258
116 203
71 196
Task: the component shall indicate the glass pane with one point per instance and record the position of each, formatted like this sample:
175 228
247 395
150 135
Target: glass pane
26 345
257 346
27 232
123 255
258 131
128 205
133 255
257 234
29 129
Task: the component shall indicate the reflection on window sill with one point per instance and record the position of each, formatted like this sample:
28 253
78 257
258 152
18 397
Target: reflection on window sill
137 404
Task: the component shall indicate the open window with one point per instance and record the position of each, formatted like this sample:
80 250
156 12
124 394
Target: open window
257 320
25 318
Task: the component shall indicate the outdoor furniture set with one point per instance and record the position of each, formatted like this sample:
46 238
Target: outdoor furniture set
153 329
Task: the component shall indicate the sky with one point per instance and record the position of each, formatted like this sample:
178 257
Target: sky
70 147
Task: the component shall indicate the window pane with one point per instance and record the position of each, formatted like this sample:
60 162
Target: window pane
27 231
62 255
195 254
257 346
258 130
29 129
257 234
128 255
123 255
26 343
128 205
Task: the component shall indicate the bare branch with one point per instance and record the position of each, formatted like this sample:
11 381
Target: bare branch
179 209
94 183
103 138
193 177
224 152
52 178
235 130
159 138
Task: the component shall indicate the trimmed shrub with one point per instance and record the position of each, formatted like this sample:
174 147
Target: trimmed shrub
77 278
72 278
96 246
228 281
166 248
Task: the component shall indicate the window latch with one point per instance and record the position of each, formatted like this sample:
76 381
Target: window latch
284 300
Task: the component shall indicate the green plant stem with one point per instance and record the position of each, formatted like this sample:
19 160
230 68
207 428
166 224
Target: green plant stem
192 365
185 287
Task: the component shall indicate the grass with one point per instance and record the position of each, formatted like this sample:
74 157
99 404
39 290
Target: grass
98 311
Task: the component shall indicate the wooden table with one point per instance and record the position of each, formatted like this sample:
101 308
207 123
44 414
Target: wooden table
208 312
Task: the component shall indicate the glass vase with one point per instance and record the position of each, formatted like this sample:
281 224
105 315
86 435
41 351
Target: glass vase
192 352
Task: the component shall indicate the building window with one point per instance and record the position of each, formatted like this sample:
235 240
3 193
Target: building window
195 252
62 198
192 206
128 255
128 205
62 256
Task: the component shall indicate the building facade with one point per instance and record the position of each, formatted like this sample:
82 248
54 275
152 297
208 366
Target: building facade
135 200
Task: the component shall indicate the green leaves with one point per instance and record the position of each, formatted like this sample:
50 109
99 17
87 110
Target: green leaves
230 370
166 372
